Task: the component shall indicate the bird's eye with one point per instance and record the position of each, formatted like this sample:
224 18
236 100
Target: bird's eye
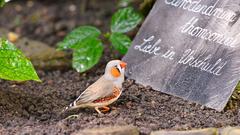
117 68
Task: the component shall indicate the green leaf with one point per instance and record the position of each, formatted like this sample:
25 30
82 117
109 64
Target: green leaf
14 65
125 20
120 42
77 35
2 3
87 54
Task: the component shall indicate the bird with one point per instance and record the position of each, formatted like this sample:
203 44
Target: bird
106 90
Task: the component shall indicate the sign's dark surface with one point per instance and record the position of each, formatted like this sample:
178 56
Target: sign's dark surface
189 48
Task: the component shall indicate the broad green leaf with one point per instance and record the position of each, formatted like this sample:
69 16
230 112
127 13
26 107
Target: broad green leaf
77 35
86 54
120 42
14 65
2 3
125 20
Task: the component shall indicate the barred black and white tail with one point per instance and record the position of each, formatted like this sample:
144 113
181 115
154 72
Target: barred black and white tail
70 107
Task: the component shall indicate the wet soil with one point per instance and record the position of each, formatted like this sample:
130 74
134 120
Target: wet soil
34 108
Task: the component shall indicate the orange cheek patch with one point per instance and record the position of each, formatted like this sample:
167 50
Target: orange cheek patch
115 72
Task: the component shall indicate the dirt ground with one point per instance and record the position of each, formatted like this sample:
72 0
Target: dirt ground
33 108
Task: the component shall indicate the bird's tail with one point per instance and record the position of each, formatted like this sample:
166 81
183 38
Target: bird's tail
70 107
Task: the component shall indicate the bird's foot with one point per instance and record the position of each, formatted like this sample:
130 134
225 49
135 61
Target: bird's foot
105 109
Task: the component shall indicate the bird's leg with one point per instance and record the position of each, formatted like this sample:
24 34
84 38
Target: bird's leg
105 109
99 112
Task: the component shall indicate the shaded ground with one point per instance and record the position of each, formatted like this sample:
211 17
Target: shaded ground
49 21
33 107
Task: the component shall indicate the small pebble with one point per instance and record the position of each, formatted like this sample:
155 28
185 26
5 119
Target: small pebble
12 37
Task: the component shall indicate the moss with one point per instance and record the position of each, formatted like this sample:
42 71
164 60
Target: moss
234 101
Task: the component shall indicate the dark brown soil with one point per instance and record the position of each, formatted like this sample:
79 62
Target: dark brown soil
34 108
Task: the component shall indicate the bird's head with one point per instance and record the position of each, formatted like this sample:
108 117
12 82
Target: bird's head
115 70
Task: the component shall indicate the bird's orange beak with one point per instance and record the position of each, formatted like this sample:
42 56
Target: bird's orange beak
123 64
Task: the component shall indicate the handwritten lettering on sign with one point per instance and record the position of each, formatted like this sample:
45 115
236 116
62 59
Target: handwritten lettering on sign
187 58
189 48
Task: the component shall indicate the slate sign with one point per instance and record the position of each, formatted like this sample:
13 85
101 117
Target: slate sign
190 49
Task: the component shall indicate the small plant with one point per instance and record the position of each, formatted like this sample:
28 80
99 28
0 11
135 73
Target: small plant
86 45
233 102
3 2
14 65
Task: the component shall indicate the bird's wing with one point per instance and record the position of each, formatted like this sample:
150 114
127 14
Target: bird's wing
101 88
